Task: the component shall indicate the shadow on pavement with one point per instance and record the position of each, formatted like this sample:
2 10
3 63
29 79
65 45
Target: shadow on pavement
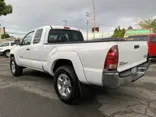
153 61
96 92
31 75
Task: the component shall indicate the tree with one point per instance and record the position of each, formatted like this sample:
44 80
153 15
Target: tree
119 33
115 32
5 9
148 24
122 32
3 36
153 26
130 28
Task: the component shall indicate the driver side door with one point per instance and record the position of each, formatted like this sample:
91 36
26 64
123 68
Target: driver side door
24 51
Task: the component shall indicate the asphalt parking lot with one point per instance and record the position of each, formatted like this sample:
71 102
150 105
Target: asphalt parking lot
32 95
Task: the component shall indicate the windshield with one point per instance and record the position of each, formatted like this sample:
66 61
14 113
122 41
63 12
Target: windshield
138 38
4 44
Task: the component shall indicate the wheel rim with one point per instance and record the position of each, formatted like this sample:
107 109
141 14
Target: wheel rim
64 85
7 54
13 66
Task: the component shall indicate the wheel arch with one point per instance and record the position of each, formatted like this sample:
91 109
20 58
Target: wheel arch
6 51
63 58
61 62
15 57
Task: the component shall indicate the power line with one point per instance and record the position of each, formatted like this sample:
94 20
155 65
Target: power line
102 24
94 12
65 22
87 16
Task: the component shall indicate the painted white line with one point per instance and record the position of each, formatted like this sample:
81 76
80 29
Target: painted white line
4 64
3 59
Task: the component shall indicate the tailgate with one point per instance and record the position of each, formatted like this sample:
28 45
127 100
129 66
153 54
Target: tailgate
131 54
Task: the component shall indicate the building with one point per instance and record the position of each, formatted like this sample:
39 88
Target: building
97 35
2 31
137 32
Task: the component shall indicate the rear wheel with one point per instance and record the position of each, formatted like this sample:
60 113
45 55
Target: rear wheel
15 69
66 84
7 53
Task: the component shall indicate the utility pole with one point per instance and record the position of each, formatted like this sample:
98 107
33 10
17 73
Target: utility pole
87 16
65 22
94 12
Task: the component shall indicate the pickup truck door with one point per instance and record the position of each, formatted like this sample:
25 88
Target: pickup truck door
35 52
152 46
24 50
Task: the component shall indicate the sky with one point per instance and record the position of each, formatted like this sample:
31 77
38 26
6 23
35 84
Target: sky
30 14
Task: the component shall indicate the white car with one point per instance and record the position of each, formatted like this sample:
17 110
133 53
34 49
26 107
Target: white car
5 48
75 63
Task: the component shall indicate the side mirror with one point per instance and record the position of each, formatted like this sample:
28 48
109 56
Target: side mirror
17 42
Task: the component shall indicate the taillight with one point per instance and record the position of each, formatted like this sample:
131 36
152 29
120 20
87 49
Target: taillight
112 58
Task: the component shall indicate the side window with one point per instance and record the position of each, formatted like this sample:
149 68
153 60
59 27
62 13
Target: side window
27 39
153 39
4 44
38 36
138 38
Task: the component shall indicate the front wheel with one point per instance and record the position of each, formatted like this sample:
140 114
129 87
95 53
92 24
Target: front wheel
15 69
66 84
7 53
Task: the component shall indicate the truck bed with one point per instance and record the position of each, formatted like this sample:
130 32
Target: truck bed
94 41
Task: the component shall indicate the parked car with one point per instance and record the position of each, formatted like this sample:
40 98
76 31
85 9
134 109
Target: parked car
75 63
151 39
5 48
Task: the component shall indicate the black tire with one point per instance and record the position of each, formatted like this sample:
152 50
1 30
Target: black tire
68 71
6 53
18 71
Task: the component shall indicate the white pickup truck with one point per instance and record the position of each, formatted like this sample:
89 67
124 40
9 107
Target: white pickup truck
75 63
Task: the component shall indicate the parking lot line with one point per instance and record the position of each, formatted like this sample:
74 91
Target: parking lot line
4 64
3 59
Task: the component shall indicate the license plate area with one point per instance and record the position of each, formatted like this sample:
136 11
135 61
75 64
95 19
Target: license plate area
128 72
134 70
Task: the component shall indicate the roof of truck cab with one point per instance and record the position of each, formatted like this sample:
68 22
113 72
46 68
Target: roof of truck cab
59 27
63 27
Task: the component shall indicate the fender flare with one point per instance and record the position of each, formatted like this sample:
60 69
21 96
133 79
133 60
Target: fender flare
73 57
15 54
6 50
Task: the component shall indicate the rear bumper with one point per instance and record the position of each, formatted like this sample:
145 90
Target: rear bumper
116 79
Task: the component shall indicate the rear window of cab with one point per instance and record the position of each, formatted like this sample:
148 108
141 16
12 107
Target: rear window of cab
138 38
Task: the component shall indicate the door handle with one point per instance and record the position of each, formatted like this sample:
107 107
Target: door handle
136 46
28 49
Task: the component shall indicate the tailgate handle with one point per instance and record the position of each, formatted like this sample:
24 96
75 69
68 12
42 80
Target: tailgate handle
136 46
